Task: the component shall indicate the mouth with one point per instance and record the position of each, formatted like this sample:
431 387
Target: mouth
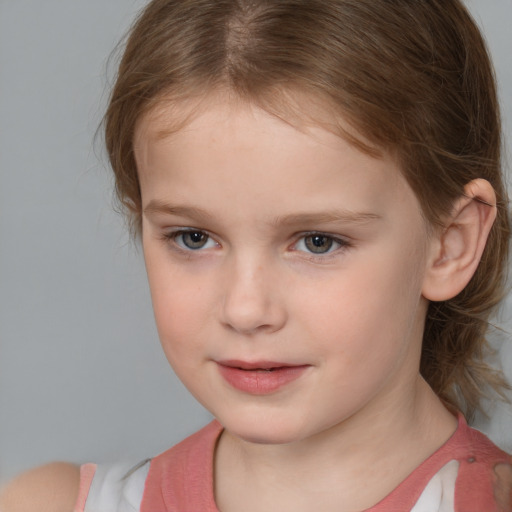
263 366
260 377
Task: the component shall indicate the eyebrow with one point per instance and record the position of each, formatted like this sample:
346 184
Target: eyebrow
325 217
160 207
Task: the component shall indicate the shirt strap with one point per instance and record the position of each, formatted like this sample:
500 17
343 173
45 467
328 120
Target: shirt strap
117 488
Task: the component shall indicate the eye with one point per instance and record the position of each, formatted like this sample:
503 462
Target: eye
192 240
319 243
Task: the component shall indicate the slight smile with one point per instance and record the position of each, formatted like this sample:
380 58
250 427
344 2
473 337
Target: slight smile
259 377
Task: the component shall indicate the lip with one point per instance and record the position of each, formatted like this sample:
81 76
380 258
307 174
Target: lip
259 377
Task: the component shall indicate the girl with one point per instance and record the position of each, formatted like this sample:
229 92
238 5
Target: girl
318 192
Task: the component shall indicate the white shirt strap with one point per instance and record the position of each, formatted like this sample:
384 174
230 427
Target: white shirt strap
117 488
439 494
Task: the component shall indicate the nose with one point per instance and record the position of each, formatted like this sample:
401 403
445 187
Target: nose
253 299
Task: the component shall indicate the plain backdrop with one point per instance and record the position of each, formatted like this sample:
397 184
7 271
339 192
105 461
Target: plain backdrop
82 375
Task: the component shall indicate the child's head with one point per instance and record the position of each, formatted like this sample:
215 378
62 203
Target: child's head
406 81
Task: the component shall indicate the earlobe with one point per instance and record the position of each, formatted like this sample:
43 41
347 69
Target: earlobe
457 249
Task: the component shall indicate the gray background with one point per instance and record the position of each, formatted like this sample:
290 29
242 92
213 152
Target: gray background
82 375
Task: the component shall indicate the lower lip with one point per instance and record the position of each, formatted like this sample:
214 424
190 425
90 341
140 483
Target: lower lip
261 382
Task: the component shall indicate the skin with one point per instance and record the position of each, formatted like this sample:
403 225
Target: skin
50 488
252 188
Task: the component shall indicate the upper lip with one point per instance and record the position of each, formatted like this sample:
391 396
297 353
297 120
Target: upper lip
256 365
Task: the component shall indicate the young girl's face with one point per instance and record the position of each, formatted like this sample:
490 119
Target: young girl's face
285 268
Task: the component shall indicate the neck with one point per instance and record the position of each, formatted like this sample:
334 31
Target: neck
384 445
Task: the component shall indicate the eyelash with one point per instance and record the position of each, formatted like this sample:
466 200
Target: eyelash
172 237
342 244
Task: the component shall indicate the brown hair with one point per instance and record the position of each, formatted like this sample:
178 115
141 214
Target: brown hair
413 77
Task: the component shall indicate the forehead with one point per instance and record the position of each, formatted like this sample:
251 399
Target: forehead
234 157
291 105
303 124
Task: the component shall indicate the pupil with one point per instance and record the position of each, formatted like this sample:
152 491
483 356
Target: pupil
319 243
194 239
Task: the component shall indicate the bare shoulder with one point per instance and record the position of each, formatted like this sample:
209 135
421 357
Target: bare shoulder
50 488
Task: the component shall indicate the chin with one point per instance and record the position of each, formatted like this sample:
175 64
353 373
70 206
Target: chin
264 431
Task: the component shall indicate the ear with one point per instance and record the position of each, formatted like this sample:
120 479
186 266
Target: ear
457 248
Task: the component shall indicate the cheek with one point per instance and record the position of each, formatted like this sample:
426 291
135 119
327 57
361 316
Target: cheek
177 311
370 313
180 305
179 328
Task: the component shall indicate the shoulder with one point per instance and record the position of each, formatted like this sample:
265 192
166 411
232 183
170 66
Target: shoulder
194 452
50 488
184 474
479 448
202 442
485 475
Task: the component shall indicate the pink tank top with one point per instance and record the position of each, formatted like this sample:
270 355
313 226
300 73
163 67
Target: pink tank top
459 477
